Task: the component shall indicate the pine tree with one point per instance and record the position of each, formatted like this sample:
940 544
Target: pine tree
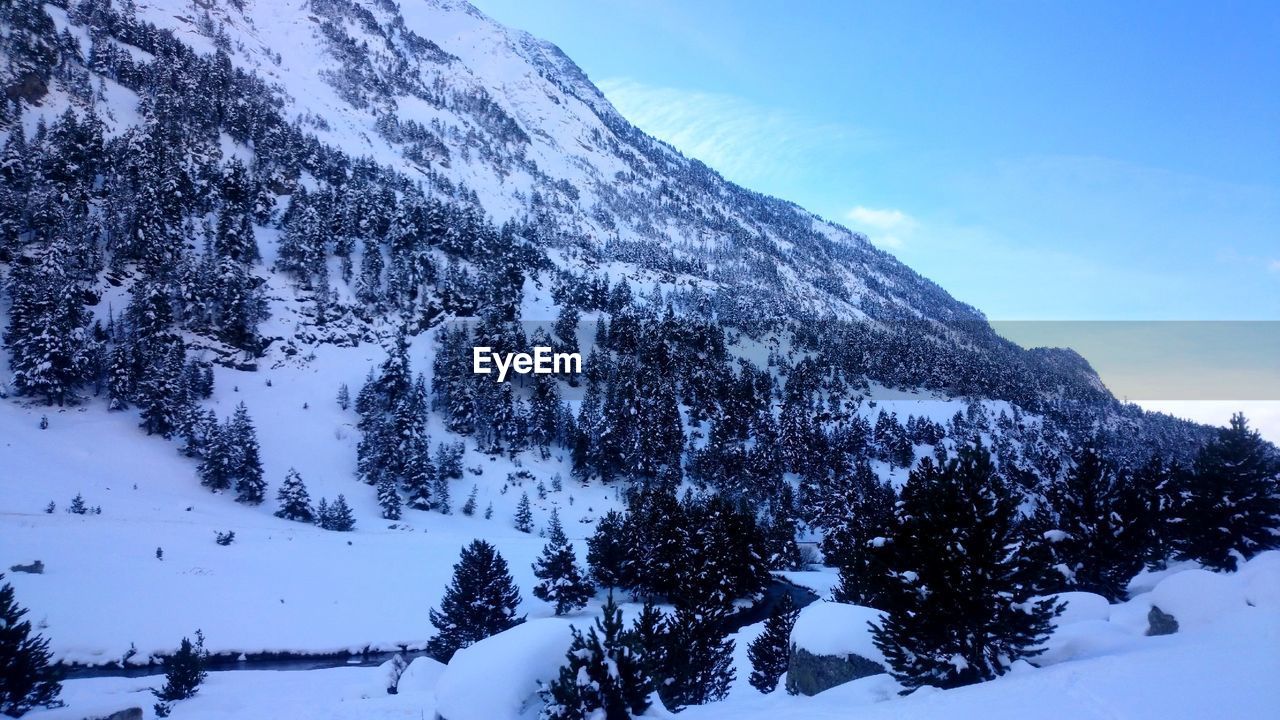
604 677
658 545
294 501
344 396
544 410
420 476
197 430
369 286
1229 504
160 389
725 553
440 489
392 408
781 531
218 468
77 505
652 630
27 680
251 488
1156 487
607 551
480 601
469 507
50 347
965 573
698 656
183 671
389 499
563 583
524 515
854 544
770 652
1098 526
449 460
341 518
120 377
235 239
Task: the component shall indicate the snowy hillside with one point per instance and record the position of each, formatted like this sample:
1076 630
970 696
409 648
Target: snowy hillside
248 250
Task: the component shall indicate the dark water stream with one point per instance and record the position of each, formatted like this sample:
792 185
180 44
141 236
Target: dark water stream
264 661
767 606
762 609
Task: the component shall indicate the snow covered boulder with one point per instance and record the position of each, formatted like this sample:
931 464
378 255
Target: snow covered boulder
1082 607
1261 580
421 675
831 645
1198 597
498 678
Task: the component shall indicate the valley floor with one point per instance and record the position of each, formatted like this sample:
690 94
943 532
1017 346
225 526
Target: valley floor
1223 668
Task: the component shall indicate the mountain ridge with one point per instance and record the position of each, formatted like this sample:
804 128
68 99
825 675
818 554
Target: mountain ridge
435 93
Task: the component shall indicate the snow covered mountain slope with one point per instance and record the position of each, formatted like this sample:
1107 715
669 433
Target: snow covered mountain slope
248 246
348 123
491 118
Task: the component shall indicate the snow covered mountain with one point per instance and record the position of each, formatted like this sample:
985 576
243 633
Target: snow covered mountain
488 117
218 216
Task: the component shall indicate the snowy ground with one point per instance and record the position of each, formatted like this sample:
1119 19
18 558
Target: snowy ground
1223 663
282 585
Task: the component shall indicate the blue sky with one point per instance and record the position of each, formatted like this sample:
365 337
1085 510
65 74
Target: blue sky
1038 160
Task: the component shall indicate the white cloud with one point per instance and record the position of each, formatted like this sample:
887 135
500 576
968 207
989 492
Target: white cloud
1274 266
759 147
886 227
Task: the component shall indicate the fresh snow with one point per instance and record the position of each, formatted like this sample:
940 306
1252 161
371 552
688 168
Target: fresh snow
829 628
499 677
1224 666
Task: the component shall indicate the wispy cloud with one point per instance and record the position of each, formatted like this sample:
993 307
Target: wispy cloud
1274 266
886 227
759 147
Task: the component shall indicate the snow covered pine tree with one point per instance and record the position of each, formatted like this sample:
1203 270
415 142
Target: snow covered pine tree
27 680
562 581
964 572
479 602
605 675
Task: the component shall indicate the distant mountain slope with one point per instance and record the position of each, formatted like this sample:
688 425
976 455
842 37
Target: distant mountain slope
355 103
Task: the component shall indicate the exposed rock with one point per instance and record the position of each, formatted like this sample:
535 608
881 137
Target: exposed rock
35 568
1160 622
809 674
133 713
832 644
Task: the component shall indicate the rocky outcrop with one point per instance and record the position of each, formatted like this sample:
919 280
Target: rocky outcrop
810 674
35 568
133 713
1160 622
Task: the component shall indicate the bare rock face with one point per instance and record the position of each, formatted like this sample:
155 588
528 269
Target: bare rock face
809 674
1160 622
